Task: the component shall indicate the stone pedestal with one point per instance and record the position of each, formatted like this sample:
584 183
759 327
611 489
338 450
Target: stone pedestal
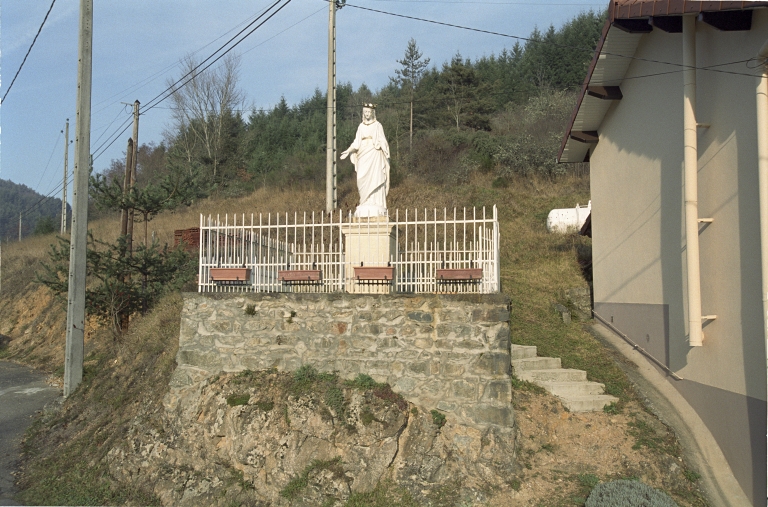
368 242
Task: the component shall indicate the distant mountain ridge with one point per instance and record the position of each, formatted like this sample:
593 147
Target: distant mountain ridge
16 198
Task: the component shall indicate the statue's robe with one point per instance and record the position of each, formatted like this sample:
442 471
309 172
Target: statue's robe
370 154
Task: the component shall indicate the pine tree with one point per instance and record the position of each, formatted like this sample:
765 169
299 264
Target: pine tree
413 68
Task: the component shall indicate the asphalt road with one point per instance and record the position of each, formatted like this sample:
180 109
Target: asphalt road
23 391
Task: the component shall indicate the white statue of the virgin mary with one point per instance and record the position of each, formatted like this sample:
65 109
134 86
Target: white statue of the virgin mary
369 152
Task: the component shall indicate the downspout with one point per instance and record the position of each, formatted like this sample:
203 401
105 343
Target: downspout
690 163
762 171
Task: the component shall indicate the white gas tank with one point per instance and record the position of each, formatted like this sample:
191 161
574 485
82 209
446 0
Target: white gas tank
568 219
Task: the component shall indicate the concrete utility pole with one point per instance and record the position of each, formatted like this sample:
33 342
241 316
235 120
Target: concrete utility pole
330 151
64 189
73 356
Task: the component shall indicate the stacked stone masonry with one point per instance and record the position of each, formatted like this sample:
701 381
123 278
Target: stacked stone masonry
449 352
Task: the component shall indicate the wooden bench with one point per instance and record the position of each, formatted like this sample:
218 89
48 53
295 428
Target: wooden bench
459 275
300 275
372 273
231 276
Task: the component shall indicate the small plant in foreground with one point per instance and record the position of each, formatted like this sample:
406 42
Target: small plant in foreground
549 447
589 480
265 406
234 400
363 382
292 489
611 408
334 398
438 418
691 476
524 385
250 310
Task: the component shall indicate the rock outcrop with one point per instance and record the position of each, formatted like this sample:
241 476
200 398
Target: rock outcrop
308 439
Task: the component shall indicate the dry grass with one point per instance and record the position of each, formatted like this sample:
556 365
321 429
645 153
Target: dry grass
536 269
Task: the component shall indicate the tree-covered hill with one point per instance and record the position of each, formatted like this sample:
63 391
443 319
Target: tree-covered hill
502 114
40 214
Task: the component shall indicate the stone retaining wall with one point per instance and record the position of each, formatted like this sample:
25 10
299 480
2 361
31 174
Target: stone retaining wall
450 352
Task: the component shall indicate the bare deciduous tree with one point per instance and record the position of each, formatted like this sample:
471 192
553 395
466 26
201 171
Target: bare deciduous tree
203 102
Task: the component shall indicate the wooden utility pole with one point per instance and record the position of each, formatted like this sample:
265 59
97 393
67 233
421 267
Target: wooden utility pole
64 187
73 356
19 227
133 163
330 141
126 186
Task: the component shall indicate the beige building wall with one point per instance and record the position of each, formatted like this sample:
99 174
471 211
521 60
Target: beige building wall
638 229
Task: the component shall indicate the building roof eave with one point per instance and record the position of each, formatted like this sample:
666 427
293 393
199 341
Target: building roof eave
613 55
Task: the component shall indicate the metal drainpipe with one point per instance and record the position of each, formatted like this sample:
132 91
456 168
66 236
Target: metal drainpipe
762 171
690 152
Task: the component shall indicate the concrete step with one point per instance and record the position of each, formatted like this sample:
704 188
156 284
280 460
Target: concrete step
552 375
523 351
587 403
535 363
572 388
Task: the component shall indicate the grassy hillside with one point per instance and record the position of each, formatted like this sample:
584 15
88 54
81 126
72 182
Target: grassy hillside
130 374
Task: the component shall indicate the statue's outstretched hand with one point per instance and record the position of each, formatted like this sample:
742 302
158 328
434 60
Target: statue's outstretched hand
344 155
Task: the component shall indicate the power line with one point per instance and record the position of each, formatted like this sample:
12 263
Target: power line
164 94
169 67
600 4
49 161
539 41
114 137
49 195
189 76
124 111
28 51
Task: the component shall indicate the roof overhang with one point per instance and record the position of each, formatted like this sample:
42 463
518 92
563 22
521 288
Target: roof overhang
627 22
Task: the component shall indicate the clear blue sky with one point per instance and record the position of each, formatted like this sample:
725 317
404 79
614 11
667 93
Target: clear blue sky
138 44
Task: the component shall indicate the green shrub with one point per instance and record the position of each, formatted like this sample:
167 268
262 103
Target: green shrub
625 493
265 406
250 310
234 400
294 487
438 418
334 398
363 382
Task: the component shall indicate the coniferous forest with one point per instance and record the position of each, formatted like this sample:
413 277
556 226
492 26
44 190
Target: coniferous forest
502 114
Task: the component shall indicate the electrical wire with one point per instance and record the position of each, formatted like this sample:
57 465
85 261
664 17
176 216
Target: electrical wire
189 76
45 171
538 41
169 67
197 69
26 212
104 129
98 152
598 4
28 51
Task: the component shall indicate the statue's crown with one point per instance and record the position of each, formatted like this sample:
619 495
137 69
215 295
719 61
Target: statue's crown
370 106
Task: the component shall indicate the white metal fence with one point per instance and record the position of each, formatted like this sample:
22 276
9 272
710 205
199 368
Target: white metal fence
412 252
